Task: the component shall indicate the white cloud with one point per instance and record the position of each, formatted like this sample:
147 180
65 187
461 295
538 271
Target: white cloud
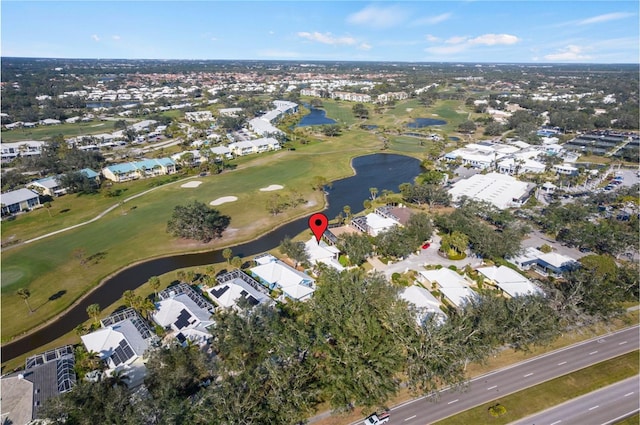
214 38
494 39
116 37
458 44
432 20
364 46
326 38
95 37
271 32
379 17
605 18
456 40
431 38
569 53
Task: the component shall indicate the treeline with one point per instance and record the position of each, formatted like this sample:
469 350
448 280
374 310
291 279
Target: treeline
355 343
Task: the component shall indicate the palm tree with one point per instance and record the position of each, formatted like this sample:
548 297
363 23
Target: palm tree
24 293
374 193
94 312
236 262
347 212
128 297
117 379
154 283
226 254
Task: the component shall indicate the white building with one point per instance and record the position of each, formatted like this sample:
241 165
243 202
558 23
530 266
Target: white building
323 253
426 305
199 116
10 151
451 285
501 190
274 274
186 313
509 281
373 223
236 286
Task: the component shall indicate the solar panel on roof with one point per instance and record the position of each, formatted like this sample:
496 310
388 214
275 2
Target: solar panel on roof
220 291
183 319
128 351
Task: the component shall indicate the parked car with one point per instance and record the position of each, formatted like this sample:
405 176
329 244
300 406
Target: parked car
378 418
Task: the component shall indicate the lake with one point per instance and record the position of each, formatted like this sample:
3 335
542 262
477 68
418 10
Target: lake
383 171
425 122
315 117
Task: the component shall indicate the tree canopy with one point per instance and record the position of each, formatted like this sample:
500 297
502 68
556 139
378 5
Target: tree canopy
197 221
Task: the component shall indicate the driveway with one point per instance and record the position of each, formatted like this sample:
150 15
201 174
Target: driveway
428 256
536 239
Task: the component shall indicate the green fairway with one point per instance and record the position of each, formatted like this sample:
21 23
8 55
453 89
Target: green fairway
339 111
44 132
408 144
137 230
551 393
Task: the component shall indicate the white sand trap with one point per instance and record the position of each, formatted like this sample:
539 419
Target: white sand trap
223 200
409 109
194 183
271 187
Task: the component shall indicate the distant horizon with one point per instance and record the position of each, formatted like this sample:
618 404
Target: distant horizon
468 31
302 61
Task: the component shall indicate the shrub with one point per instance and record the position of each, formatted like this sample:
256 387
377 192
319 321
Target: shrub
497 410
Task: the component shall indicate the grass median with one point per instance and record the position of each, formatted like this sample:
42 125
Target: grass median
535 399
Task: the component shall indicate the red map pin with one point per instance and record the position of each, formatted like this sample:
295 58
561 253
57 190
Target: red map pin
318 223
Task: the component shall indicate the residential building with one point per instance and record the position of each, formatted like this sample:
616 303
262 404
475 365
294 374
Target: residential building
546 264
121 343
276 275
452 286
321 252
10 151
352 97
185 313
501 190
373 223
45 376
91 175
425 304
237 287
18 201
386 97
566 169
230 112
248 147
49 186
139 169
509 281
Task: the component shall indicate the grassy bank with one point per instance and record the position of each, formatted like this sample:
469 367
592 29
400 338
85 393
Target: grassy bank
551 393
44 132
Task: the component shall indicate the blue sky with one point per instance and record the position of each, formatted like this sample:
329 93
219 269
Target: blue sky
447 31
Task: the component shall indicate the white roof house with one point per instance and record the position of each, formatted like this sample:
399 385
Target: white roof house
500 190
509 281
323 253
236 285
425 303
550 263
121 343
19 200
186 312
374 223
453 286
275 274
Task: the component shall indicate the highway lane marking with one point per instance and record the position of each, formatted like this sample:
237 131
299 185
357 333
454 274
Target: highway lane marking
593 352
628 394
454 401
410 417
622 343
528 374
561 363
594 407
557 422
490 388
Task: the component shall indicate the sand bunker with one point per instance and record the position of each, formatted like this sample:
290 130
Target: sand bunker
194 183
271 187
223 200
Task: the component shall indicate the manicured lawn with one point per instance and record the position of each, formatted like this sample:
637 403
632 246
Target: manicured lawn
408 144
551 393
44 132
339 111
49 266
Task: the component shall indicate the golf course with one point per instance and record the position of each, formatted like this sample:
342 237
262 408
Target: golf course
59 269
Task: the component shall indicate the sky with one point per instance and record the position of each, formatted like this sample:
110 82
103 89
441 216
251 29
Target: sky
414 31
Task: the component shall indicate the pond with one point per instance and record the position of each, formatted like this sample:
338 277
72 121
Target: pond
369 126
383 171
454 138
315 117
425 122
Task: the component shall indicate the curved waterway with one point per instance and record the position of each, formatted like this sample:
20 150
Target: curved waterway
382 171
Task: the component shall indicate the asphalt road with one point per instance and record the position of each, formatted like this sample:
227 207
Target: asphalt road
600 407
499 383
